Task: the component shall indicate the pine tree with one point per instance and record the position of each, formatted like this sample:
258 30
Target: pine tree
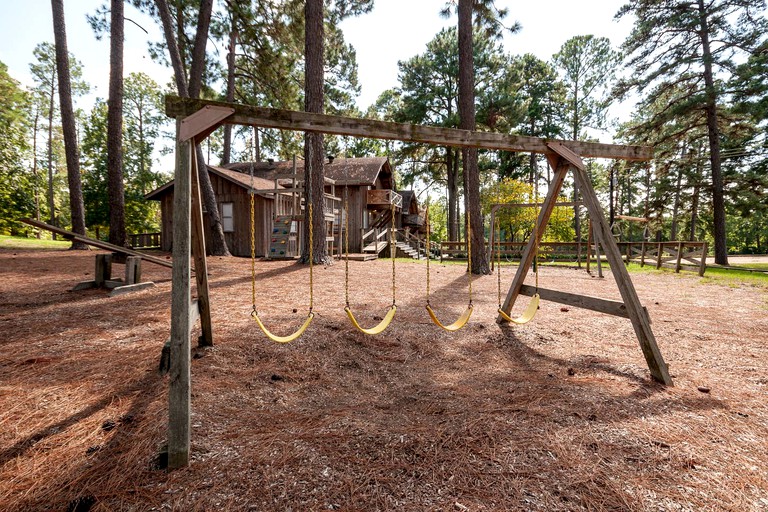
681 46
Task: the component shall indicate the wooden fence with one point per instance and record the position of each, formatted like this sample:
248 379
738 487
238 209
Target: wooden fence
676 254
145 240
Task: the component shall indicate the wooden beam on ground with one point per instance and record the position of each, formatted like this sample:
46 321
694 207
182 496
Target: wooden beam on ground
369 128
179 396
97 243
609 307
129 288
637 314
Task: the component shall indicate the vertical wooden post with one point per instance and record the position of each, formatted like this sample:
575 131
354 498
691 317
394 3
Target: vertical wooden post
659 255
198 251
180 372
703 263
132 270
640 321
678 265
492 236
642 253
589 246
103 271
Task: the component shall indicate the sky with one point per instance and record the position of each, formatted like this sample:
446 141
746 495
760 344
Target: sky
395 30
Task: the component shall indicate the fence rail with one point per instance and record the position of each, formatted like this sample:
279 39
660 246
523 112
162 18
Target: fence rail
675 254
145 240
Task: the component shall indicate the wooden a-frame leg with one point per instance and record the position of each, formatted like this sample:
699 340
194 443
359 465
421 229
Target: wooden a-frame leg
561 168
198 251
640 321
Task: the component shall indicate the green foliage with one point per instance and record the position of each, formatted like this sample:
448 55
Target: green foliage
143 121
16 187
517 223
587 64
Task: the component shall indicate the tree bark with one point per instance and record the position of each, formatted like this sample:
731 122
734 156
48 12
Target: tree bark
467 122
227 153
192 88
713 131
68 124
453 234
115 187
34 169
313 142
51 200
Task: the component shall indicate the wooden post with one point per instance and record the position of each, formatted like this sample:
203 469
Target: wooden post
492 237
198 251
132 270
678 265
103 272
703 264
179 396
640 321
659 254
589 246
642 253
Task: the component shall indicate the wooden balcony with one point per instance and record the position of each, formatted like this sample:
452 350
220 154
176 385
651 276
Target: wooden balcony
383 199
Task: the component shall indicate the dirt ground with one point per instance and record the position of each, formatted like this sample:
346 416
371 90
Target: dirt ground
559 414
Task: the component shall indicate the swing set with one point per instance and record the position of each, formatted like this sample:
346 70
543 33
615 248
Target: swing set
196 119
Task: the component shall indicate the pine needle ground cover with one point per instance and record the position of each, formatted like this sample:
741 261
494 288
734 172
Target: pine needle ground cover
559 414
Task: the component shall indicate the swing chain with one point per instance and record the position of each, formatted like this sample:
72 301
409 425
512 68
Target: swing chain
253 249
426 221
393 251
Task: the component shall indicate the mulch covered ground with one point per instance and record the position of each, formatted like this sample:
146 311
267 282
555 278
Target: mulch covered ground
559 414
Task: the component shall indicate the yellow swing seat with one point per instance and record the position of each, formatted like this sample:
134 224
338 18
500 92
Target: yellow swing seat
455 326
527 315
283 339
378 329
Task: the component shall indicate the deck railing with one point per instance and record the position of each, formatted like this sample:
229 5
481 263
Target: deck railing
145 240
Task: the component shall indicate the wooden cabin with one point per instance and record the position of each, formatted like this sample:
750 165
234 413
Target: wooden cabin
231 189
367 184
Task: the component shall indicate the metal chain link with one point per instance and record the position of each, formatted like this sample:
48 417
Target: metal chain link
426 221
393 252
346 244
253 249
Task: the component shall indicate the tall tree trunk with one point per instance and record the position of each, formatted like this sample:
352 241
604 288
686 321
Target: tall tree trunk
68 123
695 199
34 170
115 187
469 155
192 88
453 235
227 153
713 131
576 127
51 198
313 142
676 203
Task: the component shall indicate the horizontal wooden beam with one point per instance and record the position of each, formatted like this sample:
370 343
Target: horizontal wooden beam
373 129
609 307
96 243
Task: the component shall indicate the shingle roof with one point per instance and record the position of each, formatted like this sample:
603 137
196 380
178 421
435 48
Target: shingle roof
352 171
238 178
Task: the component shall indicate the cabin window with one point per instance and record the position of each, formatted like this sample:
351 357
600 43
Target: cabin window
227 218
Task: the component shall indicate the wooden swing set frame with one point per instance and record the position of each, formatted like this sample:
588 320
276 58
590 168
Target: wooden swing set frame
196 119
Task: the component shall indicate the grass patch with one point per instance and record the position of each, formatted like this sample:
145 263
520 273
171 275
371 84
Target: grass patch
32 244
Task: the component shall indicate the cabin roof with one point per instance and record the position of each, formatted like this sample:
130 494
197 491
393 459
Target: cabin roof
238 178
344 171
